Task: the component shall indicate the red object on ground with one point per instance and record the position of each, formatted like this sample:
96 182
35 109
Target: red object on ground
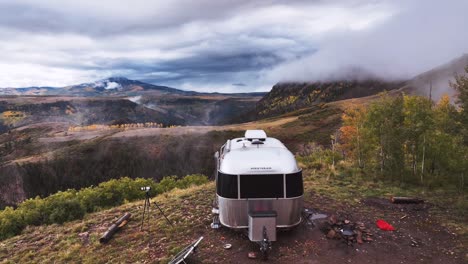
383 225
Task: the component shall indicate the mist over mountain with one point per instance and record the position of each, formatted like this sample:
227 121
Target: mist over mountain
438 78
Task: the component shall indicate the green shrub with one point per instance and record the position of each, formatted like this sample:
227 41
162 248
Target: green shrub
72 204
32 211
65 210
171 182
319 158
11 223
91 199
189 180
166 184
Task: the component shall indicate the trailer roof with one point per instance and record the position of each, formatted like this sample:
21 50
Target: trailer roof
257 156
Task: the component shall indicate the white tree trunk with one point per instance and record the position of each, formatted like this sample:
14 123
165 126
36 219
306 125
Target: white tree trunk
423 158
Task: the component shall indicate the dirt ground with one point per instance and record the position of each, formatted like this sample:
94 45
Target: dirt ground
417 239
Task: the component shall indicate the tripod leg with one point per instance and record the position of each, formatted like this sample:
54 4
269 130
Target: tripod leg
148 214
167 219
143 218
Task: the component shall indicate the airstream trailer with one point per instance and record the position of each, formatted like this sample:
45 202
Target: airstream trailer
259 187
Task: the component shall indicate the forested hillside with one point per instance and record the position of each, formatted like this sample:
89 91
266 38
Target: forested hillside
405 139
287 97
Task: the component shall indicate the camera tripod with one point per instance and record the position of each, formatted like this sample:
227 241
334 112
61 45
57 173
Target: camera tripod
146 209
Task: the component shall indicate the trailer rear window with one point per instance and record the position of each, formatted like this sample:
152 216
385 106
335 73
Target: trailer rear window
294 186
261 186
227 185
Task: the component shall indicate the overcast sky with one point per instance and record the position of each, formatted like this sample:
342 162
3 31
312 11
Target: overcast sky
221 45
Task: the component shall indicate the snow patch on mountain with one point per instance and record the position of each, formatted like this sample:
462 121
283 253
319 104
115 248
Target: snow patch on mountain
112 85
106 84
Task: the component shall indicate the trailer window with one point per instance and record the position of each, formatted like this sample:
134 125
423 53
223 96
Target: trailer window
261 186
227 185
294 186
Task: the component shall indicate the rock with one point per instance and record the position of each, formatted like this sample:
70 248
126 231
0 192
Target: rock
332 219
252 255
84 237
331 234
359 237
84 234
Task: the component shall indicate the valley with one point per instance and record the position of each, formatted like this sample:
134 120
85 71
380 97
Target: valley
50 143
89 133
42 150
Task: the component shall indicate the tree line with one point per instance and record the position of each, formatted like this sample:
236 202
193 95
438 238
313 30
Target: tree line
409 138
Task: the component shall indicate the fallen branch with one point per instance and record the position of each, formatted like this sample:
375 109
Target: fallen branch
122 221
406 200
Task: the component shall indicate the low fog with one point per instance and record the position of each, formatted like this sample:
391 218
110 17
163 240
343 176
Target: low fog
418 37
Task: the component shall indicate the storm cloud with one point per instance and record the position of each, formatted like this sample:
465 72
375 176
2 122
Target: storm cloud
214 45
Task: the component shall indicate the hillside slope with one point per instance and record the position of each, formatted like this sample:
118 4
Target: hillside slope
23 111
190 212
48 158
439 77
287 97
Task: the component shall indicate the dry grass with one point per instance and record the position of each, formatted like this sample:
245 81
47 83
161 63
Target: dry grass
78 241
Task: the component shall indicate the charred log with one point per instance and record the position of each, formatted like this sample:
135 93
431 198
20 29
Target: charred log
122 221
406 200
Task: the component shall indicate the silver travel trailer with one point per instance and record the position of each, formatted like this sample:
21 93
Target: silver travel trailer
259 187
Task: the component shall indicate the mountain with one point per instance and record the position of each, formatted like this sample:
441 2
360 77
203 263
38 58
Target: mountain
27 91
114 86
291 96
119 100
439 77
118 86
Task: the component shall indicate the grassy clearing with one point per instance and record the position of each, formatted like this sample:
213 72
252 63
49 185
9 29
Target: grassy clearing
449 207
